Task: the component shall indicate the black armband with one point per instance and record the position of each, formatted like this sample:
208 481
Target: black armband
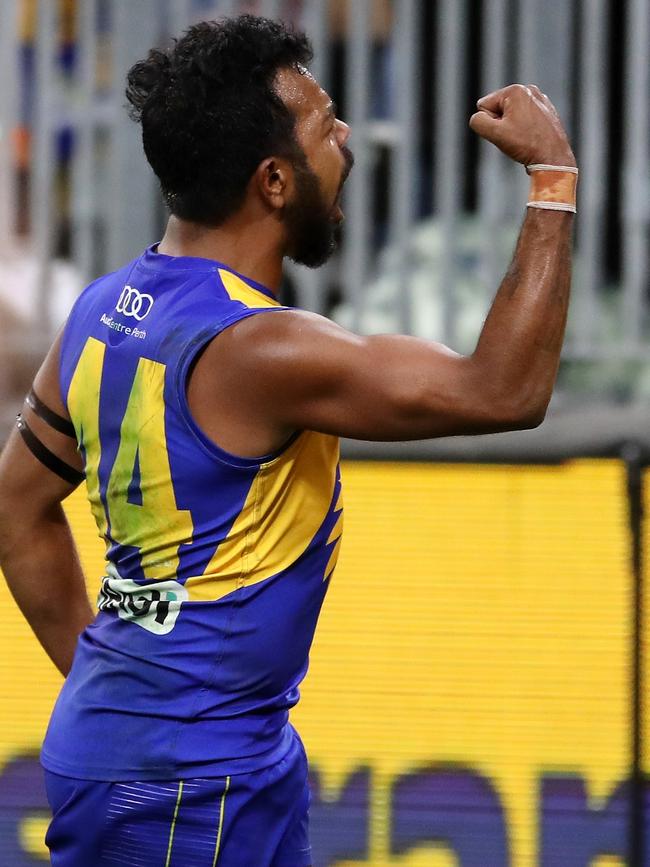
48 415
45 456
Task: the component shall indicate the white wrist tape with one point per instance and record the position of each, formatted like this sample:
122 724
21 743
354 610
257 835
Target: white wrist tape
552 188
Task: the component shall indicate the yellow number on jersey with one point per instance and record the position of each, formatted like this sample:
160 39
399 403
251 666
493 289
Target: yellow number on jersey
155 525
83 404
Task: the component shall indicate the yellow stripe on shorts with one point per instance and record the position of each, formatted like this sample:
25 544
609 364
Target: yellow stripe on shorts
173 827
221 814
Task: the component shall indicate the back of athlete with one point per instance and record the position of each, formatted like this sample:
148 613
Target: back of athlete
204 548
204 418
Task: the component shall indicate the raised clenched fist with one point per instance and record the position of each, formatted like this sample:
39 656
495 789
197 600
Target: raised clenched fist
522 122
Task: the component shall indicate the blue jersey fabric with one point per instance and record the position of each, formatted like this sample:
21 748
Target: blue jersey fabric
216 565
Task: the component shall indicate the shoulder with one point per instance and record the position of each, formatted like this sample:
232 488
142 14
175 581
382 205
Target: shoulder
276 358
286 330
275 345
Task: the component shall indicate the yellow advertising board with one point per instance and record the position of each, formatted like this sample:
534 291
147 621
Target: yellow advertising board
469 699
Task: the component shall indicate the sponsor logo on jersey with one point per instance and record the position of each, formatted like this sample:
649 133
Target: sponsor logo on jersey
153 607
134 303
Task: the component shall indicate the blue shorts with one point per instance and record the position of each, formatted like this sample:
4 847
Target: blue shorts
246 820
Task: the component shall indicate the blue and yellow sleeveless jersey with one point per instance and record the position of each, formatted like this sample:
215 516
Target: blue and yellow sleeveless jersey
216 565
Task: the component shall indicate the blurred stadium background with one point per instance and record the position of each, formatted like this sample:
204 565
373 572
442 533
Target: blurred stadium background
478 688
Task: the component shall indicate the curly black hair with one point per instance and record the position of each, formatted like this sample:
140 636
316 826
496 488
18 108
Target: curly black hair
209 113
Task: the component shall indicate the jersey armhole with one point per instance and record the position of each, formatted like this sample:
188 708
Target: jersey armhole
190 353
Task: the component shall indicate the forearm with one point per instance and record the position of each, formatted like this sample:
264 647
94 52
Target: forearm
41 567
522 337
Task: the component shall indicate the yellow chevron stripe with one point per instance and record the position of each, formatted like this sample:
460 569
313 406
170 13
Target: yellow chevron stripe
285 507
334 556
238 290
337 529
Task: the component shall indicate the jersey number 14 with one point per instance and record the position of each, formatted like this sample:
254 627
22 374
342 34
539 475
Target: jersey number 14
138 508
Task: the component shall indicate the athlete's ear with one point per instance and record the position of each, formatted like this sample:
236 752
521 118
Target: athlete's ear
273 180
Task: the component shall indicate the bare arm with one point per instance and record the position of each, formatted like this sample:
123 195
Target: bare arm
37 553
300 371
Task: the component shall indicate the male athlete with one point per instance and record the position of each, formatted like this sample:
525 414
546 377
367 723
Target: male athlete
204 418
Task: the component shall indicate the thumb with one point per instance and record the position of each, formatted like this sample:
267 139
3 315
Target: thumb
494 102
486 124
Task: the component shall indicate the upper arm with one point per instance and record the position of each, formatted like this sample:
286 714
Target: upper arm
27 486
302 371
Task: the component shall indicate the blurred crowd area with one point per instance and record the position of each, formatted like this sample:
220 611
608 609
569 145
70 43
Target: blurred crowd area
425 240
67 63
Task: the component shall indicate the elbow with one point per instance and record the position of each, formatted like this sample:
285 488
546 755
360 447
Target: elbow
523 414
509 403
532 419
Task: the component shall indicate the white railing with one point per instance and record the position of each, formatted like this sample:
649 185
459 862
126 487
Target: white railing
430 263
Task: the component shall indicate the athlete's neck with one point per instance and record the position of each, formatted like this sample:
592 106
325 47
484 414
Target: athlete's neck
248 247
